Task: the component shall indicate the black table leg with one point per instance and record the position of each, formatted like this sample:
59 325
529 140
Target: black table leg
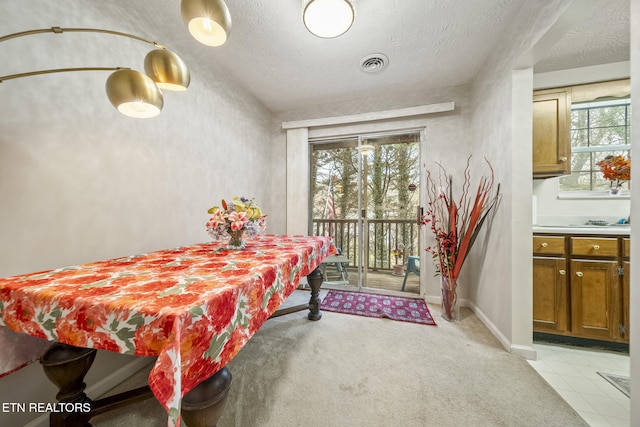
66 367
315 281
203 406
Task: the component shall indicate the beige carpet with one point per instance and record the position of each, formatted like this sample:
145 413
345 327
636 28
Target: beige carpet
349 371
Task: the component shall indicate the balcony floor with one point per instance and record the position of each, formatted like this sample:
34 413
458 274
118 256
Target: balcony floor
383 280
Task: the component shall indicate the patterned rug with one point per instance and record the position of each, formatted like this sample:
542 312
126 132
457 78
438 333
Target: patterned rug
370 305
618 381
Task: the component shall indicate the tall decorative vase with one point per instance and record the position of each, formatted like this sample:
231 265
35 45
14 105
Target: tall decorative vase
450 307
235 240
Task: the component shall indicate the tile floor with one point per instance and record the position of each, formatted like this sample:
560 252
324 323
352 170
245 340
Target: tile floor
571 371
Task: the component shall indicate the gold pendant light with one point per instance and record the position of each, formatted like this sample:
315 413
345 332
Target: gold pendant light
328 18
134 94
209 21
167 69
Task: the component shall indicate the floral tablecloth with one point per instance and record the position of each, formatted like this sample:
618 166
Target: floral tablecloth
194 307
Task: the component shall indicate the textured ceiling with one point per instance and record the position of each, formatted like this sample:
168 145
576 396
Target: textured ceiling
429 43
601 39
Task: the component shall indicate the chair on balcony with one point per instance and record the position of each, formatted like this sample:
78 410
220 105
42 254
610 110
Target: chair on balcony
413 266
340 262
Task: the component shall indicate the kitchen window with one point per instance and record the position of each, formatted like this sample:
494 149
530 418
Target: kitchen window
598 129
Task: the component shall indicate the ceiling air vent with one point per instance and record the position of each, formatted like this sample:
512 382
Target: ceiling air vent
374 63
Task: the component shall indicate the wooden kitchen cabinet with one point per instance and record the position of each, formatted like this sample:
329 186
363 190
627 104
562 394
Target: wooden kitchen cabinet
596 307
600 247
548 245
626 286
551 132
550 296
581 286
626 283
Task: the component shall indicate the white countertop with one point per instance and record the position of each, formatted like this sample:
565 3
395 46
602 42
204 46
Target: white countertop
617 230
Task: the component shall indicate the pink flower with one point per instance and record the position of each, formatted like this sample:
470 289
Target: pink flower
238 220
216 219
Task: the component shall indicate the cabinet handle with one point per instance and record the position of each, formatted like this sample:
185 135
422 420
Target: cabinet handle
596 247
562 272
579 273
544 244
563 158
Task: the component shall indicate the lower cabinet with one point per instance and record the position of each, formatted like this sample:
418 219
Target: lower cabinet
596 305
626 284
581 287
550 294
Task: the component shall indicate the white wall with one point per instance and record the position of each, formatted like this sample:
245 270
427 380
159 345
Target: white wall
501 273
80 182
551 206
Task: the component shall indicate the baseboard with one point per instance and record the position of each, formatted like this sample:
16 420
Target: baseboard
525 351
489 324
102 386
429 299
581 342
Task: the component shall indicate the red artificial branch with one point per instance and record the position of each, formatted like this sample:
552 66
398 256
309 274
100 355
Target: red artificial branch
456 225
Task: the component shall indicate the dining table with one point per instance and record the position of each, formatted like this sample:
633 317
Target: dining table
192 307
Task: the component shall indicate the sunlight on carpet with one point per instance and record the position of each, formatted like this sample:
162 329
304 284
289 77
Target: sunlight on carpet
371 305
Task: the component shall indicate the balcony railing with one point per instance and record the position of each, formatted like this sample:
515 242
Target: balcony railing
384 235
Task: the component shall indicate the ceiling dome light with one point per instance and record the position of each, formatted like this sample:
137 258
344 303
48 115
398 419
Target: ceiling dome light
209 21
134 94
328 18
167 70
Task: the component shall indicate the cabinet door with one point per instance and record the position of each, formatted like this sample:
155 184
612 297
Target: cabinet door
551 133
550 295
595 299
626 282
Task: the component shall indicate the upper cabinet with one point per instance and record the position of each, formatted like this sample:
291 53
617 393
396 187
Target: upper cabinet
551 132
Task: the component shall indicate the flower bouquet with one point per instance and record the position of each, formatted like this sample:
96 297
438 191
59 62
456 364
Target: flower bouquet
615 169
456 224
235 219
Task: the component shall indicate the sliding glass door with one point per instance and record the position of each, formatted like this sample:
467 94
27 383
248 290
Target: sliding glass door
365 194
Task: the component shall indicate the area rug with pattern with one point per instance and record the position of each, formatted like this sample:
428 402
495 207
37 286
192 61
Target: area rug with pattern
371 305
620 382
